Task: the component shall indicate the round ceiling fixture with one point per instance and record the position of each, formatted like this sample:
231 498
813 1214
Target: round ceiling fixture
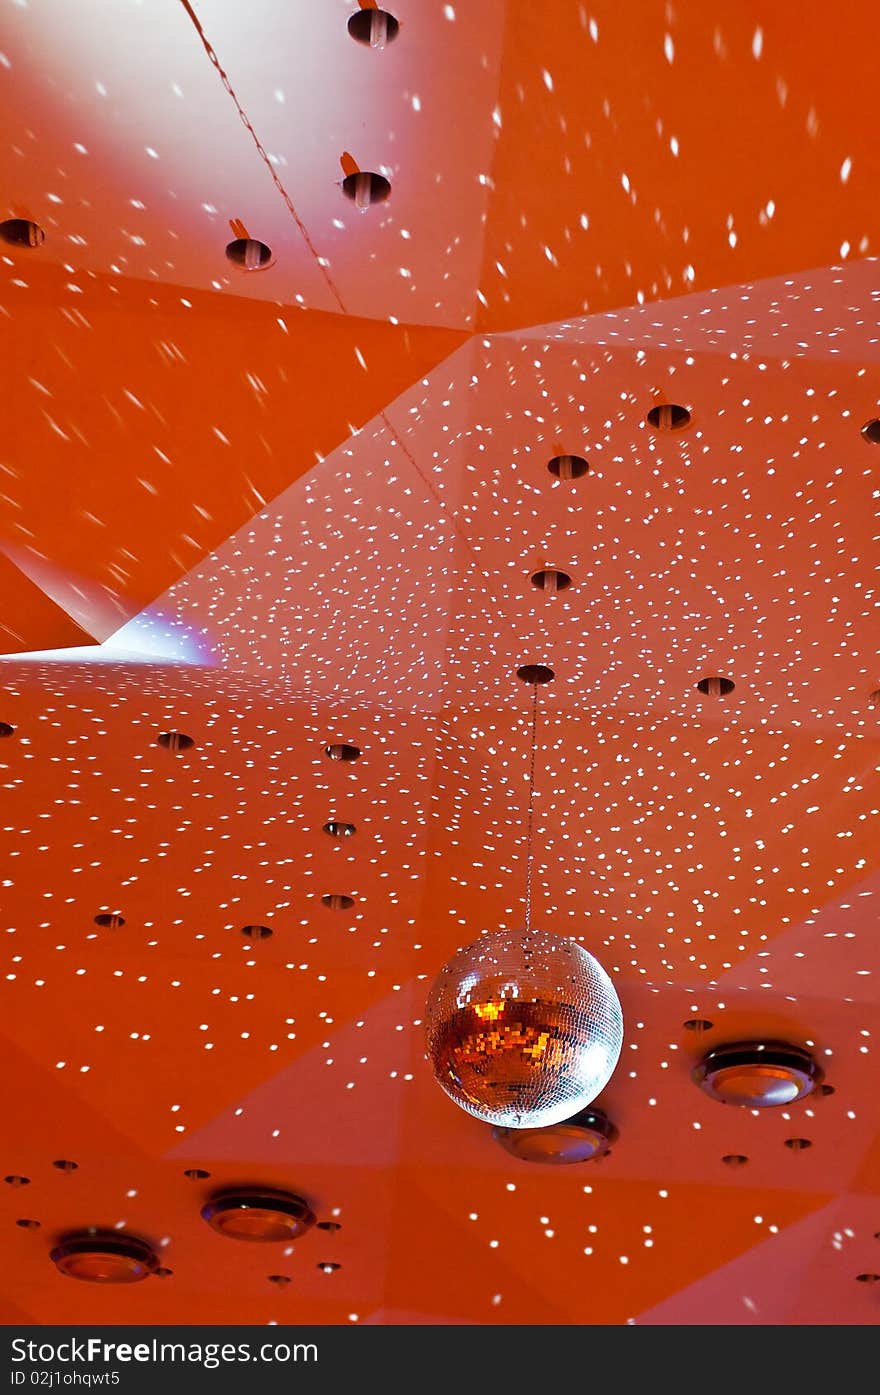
715 686
196 1174
15 1179
586 1136
364 188
249 253
336 829
797 1145
735 1159
342 751
551 579
328 1266
374 27
698 1024
65 1165
758 1075
257 932
22 232
568 467
669 416
6 729
524 1028
175 741
261 1214
871 431
105 1259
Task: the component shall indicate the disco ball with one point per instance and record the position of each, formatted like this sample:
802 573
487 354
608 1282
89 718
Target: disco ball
524 1028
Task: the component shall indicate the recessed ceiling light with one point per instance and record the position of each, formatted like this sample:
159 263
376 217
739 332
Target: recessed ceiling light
22 232
568 467
329 1266
15 1179
249 253
669 416
797 1145
871 431
735 1159
196 1174
6 729
757 1075
281 1280
259 1214
583 1138
335 901
698 1024
65 1165
104 1258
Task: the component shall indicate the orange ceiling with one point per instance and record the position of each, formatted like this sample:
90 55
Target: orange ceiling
278 509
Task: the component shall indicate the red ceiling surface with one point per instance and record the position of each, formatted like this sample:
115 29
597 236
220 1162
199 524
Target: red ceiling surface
279 509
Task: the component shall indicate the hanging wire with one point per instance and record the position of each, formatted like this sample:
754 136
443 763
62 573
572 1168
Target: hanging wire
531 810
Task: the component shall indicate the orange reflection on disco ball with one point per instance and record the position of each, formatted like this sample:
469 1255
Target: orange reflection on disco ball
524 1028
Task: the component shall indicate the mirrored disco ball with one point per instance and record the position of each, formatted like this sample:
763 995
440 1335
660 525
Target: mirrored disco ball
524 1028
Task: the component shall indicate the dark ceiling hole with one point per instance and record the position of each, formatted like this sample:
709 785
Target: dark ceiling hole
28 1224
281 1280
551 579
374 27
22 232
334 901
342 751
669 416
335 829
871 431
715 686
65 1165
175 741
873 699
162 1273
735 1159
535 674
15 1179
568 467
868 1278
826 1090
331 1226
257 932
329 1266
110 920
6 729
365 188
249 253
797 1145
698 1024
196 1174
